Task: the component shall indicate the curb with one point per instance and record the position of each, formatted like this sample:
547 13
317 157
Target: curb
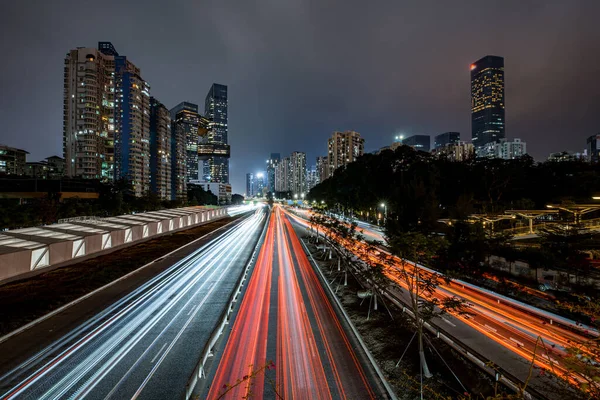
86 296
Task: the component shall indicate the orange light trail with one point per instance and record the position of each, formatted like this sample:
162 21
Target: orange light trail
491 317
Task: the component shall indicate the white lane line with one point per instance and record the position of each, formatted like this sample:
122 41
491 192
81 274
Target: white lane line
448 322
160 351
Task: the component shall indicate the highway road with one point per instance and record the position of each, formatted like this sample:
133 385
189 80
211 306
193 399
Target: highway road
505 323
286 318
147 344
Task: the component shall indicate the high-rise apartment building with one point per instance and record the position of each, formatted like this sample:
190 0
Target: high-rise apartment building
312 178
297 183
446 138
216 166
106 117
88 117
186 118
344 148
418 142
322 168
283 175
487 101
160 149
271 163
178 155
132 126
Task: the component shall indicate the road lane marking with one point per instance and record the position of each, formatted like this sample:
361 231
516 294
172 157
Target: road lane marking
160 351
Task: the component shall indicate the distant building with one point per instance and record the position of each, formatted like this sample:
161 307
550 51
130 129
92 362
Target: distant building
49 168
12 160
344 148
297 184
458 152
271 163
487 101
221 190
283 175
160 149
216 166
322 167
250 184
312 178
565 156
593 148
259 185
446 138
504 149
186 120
418 142
178 155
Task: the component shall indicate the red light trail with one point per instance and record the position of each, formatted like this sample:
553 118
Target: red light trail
314 356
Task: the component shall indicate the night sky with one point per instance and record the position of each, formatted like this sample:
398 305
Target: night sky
298 70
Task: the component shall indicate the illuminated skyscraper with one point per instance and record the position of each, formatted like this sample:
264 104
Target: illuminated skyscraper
487 101
186 118
132 126
271 163
216 166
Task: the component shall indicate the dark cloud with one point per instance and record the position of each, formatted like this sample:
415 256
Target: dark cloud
297 70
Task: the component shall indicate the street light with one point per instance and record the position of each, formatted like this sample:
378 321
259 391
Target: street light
384 206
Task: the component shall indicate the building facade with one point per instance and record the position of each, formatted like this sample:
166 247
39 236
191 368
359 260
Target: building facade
12 161
445 139
89 112
344 148
322 167
186 119
216 165
593 148
297 182
487 101
312 178
132 126
249 184
178 160
504 149
418 142
160 149
271 164
460 151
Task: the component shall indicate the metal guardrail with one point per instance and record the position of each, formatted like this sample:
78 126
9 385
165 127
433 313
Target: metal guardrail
207 352
499 373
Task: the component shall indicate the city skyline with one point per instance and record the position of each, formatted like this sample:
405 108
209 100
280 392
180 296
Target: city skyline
273 98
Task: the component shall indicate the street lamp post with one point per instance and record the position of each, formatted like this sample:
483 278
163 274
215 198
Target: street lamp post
384 206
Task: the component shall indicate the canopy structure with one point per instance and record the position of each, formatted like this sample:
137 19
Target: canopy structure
26 251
